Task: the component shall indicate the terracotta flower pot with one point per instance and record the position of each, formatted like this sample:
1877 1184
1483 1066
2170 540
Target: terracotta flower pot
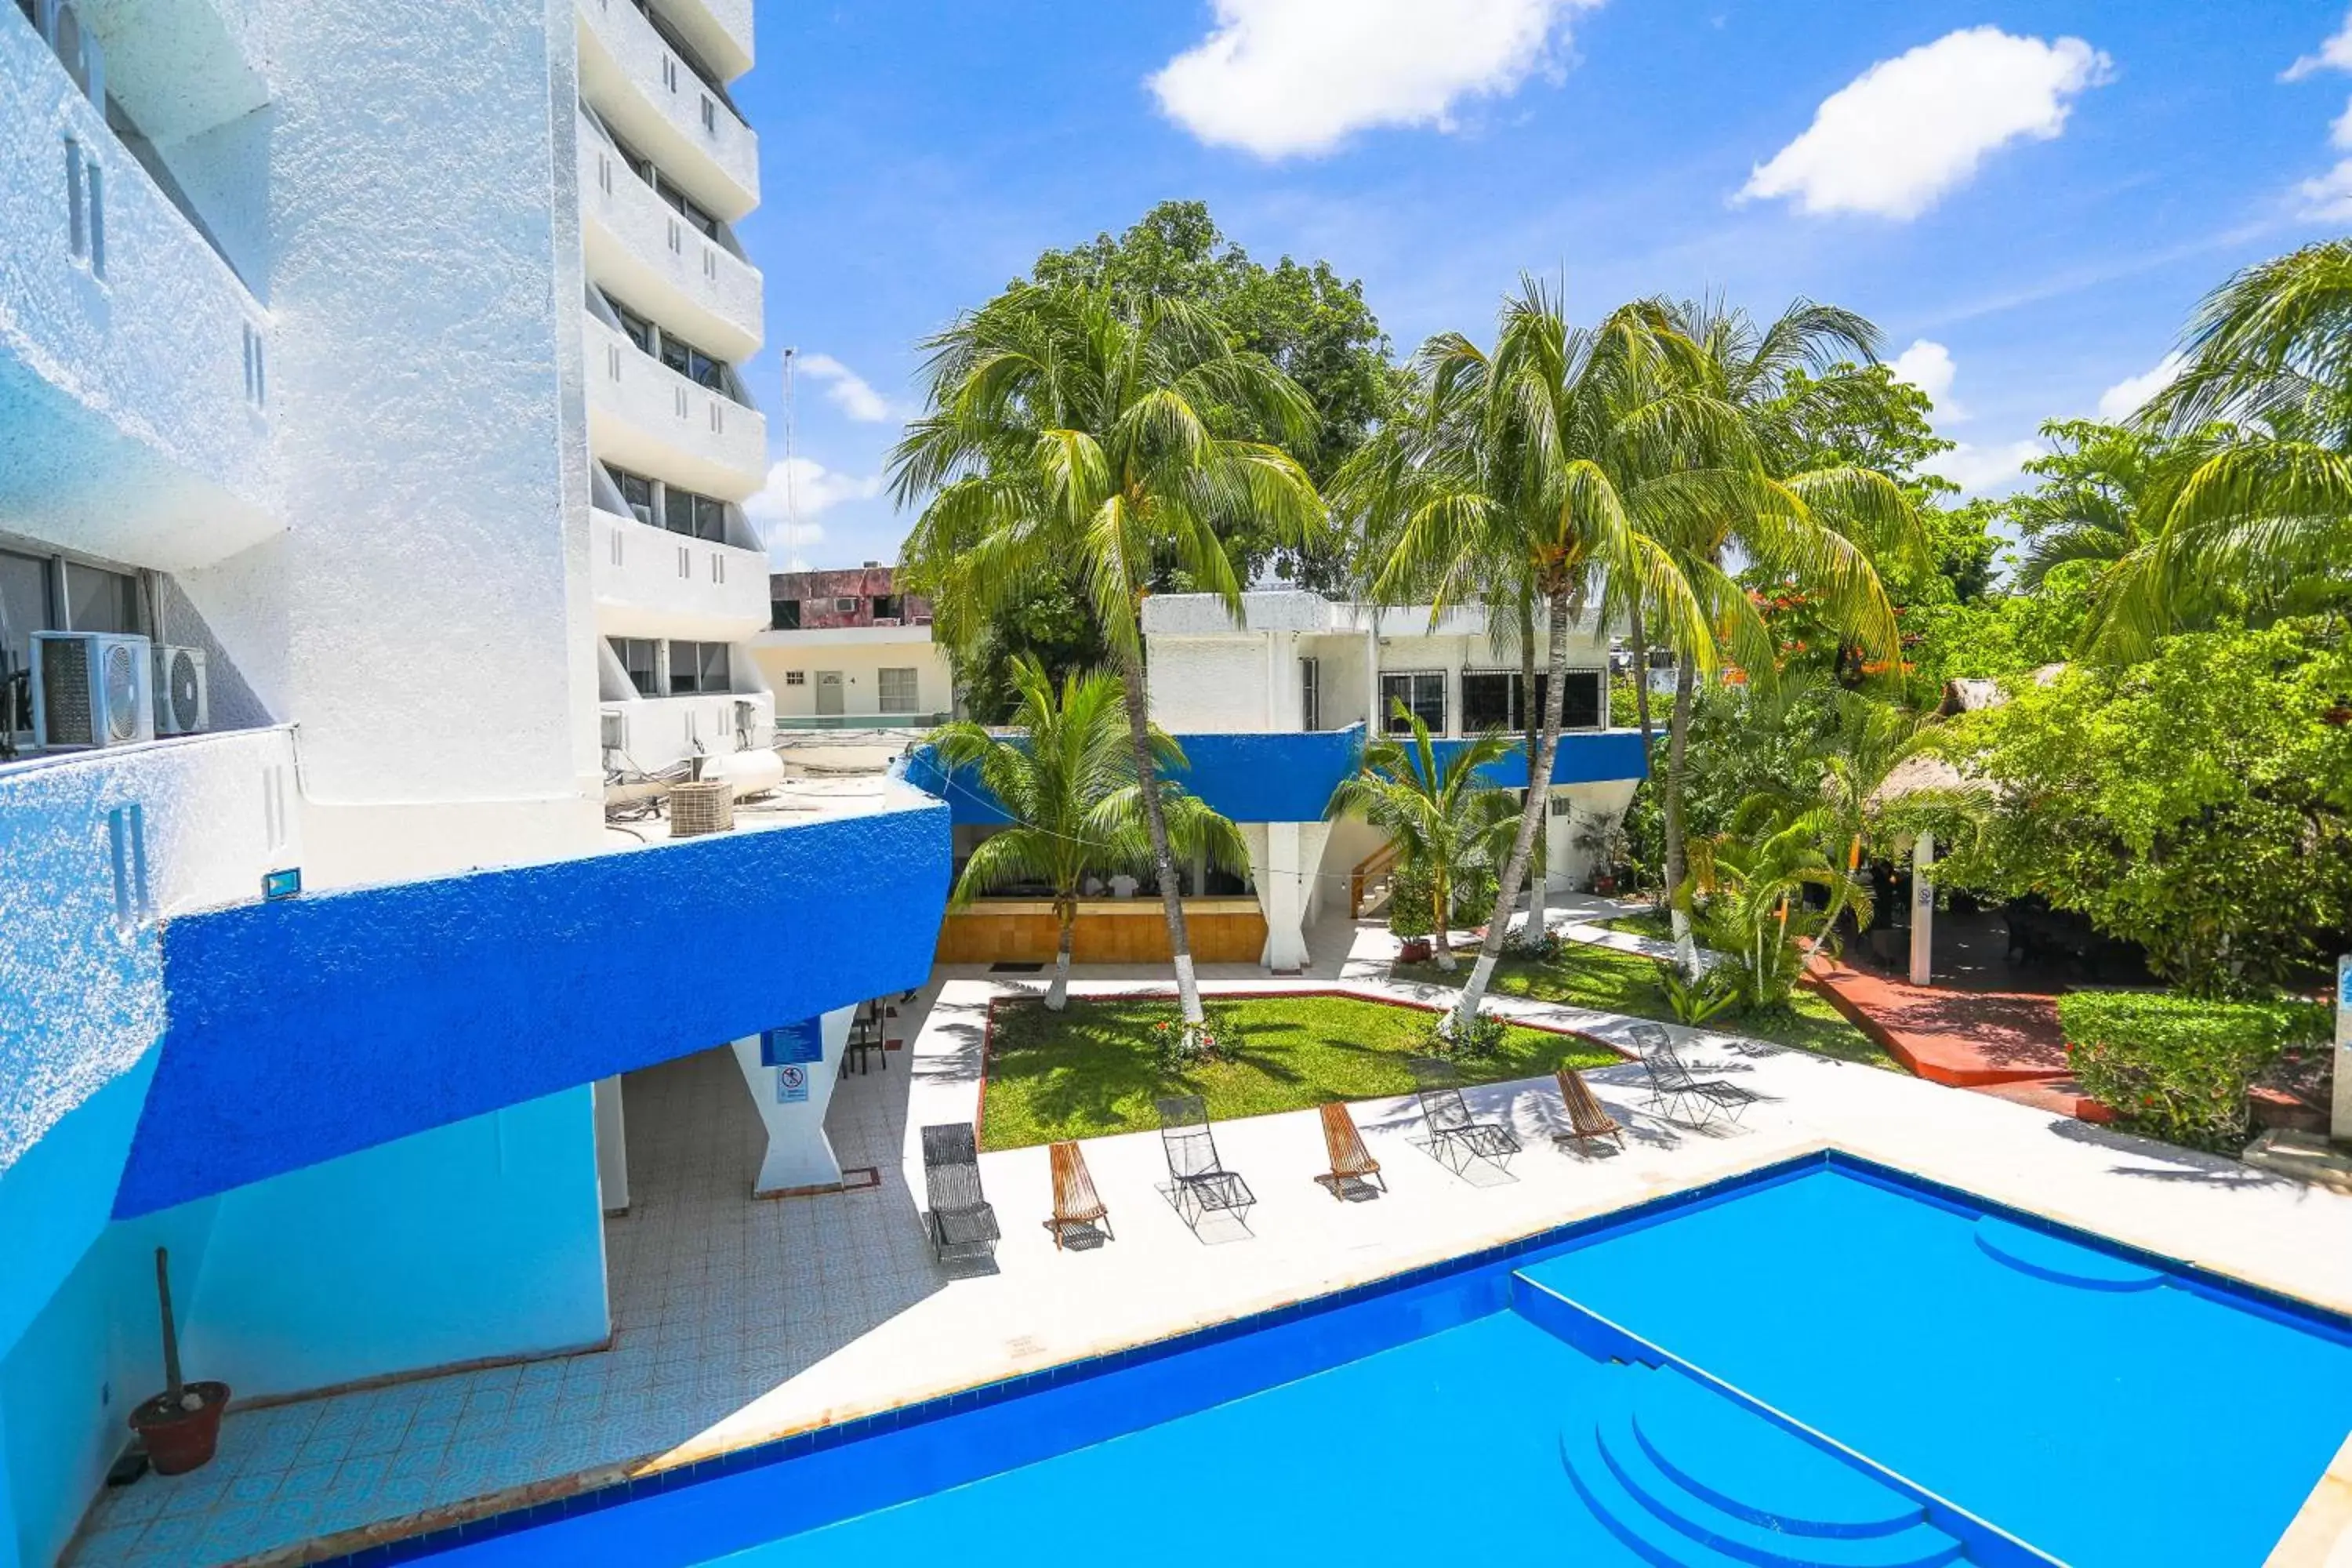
1415 951
180 1439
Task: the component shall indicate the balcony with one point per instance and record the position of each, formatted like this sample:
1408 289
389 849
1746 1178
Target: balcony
647 418
717 30
643 251
655 102
132 359
651 582
658 733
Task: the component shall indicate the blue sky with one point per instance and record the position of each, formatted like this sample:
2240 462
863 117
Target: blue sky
2036 193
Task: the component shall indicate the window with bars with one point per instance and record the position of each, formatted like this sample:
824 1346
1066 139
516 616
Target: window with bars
1496 700
896 689
1421 690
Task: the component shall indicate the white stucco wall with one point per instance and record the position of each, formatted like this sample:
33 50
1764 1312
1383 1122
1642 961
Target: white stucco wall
640 247
859 654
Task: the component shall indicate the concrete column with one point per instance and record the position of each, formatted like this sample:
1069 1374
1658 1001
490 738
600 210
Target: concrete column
1923 908
1284 858
612 1147
799 1153
2341 1124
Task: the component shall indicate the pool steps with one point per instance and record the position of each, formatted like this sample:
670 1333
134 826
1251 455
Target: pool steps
2060 1261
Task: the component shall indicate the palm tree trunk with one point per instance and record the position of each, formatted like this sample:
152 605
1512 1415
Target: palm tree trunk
1058 994
1677 751
1531 819
1537 915
1171 898
1440 904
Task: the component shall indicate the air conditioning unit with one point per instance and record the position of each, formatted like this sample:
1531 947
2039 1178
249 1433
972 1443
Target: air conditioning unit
886 621
613 732
93 689
183 702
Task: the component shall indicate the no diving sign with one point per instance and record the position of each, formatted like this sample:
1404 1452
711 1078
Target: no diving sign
792 1084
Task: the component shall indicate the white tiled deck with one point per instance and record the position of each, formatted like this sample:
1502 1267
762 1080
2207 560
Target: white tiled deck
738 1321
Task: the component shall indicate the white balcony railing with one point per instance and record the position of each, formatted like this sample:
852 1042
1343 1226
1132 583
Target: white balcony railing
654 101
646 418
133 362
717 30
643 251
655 733
651 582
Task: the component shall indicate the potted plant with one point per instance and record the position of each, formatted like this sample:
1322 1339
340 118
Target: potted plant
1410 917
180 1425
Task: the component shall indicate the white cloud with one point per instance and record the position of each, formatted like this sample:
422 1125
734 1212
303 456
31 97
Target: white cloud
849 391
1900 135
2125 397
1979 470
1279 78
801 489
2327 198
2335 54
1928 366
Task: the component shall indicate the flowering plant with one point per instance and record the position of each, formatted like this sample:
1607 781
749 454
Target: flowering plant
1177 1047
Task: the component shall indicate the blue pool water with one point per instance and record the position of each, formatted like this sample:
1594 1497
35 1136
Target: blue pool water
1596 1402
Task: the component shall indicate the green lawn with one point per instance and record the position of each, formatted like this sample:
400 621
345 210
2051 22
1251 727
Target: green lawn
1649 923
1089 1069
1627 982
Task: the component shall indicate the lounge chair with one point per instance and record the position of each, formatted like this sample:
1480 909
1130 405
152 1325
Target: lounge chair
1076 1202
960 1218
1454 1138
1198 1182
1586 1121
1676 1091
1350 1161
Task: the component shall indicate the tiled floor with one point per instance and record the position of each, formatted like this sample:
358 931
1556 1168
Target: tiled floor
716 1297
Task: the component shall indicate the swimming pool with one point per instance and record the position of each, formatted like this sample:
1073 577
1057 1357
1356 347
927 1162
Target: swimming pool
1826 1365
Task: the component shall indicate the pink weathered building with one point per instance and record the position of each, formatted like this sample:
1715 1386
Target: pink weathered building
850 596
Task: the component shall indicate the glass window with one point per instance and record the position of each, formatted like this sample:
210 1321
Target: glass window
100 600
898 689
1582 701
784 615
23 606
697 517
638 490
640 331
1423 691
885 606
637 656
698 667
1490 700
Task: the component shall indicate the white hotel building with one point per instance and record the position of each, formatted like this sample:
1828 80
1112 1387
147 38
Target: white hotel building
371 370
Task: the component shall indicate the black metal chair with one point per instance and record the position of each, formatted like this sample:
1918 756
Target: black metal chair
1676 1091
864 1040
1455 1138
1198 1182
961 1219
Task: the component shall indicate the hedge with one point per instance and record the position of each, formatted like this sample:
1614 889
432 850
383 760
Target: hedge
2180 1068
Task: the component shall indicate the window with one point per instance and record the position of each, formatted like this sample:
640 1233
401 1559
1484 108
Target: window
796 677
784 615
1310 694
687 210
844 607
887 606
23 606
637 656
693 363
1423 691
898 689
98 599
696 517
640 331
698 667
637 492
1496 700
1583 702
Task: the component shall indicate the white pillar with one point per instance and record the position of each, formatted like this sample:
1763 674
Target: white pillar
1281 896
2341 1124
791 1103
1923 908
612 1147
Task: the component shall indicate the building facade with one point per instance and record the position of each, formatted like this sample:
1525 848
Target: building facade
844 649
363 418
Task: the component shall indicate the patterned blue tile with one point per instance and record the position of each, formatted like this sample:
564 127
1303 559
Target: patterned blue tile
253 1489
307 1481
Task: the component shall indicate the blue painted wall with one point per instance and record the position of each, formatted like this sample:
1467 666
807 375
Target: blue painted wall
1289 776
315 1027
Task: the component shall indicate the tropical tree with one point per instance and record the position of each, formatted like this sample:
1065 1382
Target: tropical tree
1813 518
1882 780
1515 480
1070 433
1444 819
2089 501
1747 893
2260 519
1068 783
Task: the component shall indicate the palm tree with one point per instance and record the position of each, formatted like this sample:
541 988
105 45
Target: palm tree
1441 815
2090 504
1747 886
1520 480
2262 509
1817 527
1069 784
1070 434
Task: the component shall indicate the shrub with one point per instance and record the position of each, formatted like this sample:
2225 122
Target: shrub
2175 1067
1408 904
1542 946
1177 1050
1479 1040
1695 1002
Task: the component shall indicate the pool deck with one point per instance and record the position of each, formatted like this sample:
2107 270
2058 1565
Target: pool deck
738 1320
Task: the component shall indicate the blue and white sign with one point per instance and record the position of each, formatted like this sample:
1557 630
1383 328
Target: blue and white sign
792 1084
794 1044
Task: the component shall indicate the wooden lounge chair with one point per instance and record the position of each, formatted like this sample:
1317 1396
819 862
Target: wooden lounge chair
961 1219
1350 1161
1198 1181
1076 1202
1586 1121
1681 1097
1454 1137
